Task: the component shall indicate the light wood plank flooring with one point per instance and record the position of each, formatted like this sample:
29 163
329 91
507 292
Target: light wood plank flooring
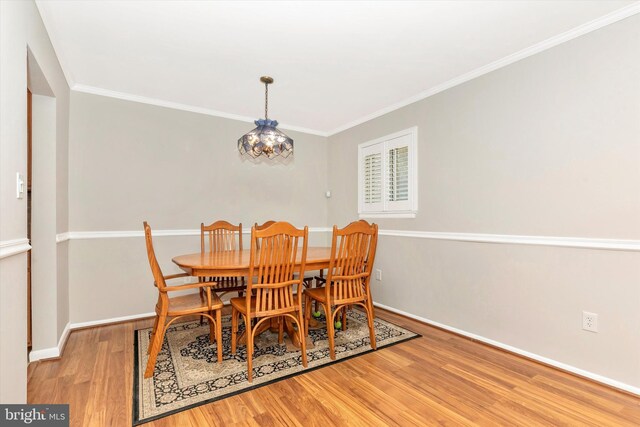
439 379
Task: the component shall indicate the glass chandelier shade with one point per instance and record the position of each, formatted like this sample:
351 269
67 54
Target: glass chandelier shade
266 139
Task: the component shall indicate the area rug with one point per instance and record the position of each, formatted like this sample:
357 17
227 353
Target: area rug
187 373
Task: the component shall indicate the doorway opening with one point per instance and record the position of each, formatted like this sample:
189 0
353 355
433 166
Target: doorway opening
29 157
42 285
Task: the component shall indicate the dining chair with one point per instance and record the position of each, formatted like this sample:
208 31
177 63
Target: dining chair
321 281
307 281
205 303
218 237
353 250
271 285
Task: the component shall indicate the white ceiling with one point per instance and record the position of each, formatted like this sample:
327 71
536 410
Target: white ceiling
335 64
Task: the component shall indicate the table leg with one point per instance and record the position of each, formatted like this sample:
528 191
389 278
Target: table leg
272 325
313 323
242 339
291 332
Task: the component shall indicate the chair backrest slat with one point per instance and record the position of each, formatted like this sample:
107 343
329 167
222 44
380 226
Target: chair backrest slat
221 236
274 252
353 252
264 226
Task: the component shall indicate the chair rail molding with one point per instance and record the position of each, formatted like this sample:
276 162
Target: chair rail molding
13 247
84 235
62 237
567 242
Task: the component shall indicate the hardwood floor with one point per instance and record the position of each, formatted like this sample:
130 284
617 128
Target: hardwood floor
439 379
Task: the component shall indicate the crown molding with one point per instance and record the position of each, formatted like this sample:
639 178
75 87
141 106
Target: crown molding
578 31
184 107
13 247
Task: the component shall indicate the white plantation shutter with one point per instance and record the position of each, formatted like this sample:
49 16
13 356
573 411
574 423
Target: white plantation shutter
397 182
371 179
387 180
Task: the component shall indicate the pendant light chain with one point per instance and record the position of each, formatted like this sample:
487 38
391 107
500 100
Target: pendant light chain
266 100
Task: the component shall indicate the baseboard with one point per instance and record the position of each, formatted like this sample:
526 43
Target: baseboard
56 352
52 352
102 322
62 342
44 354
536 357
114 320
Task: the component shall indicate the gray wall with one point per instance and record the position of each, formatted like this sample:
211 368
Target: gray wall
21 28
131 162
548 146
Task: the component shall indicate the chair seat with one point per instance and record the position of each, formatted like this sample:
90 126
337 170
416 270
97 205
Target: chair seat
192 303
226 283
240 303
319 294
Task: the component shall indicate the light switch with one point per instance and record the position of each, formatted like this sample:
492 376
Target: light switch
19 186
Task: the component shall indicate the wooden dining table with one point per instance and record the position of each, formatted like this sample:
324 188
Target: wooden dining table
235 263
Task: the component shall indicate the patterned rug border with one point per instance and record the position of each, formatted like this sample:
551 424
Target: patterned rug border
136 362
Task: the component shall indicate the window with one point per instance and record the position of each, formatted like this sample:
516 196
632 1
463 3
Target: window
387 176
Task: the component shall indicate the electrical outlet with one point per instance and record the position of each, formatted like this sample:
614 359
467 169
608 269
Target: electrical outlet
378 274
589 321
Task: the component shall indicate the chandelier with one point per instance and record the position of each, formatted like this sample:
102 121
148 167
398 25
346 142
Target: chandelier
266 138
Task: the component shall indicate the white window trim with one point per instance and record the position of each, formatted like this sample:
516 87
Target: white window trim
413 176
